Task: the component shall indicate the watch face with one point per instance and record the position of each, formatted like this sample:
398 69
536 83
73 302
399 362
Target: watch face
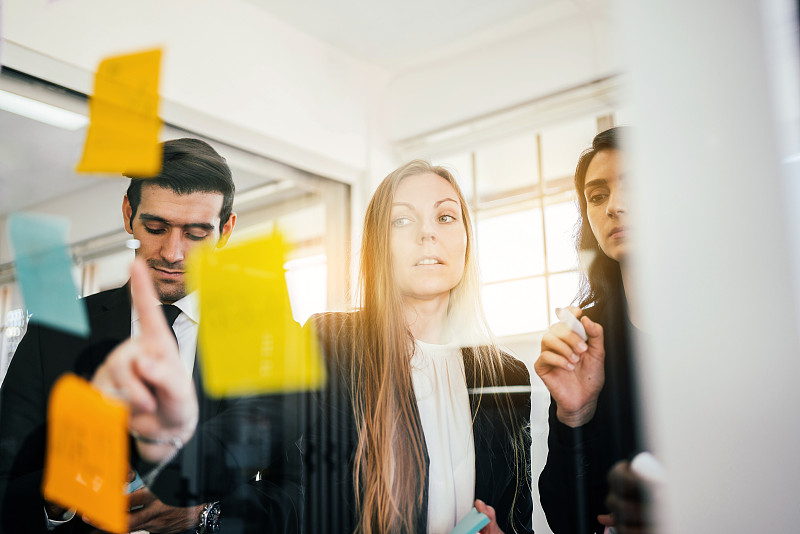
212 518
209 522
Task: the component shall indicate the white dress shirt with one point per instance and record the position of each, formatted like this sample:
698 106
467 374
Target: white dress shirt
185 327
437 372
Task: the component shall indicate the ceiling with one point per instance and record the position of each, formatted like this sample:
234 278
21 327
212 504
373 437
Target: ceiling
394 34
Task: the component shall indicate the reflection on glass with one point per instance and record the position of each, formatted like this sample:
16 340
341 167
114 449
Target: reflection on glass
506 166
460 166
563 288
307 282
516 307
559 220
511 246
563 143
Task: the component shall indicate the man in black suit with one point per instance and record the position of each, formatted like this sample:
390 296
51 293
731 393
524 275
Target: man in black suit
189 203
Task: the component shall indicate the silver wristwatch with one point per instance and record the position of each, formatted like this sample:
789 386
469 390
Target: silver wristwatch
209 519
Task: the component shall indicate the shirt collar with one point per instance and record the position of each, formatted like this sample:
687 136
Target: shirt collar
189 305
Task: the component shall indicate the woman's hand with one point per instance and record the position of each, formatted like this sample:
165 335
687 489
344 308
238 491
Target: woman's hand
492 527
572 369
147 372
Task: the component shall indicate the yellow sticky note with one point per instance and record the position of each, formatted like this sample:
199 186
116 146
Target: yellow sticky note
249 341
87 453
123 114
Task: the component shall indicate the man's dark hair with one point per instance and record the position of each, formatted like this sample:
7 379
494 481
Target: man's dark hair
189 166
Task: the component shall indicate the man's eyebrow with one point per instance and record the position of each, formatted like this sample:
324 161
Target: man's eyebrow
201 226
153 218
162 220
595 183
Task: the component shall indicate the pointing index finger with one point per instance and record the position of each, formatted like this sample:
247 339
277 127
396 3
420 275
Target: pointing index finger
151 319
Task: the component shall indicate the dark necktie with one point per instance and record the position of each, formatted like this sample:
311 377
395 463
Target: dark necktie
171 312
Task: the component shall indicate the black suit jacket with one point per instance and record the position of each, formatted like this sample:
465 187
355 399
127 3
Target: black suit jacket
573 485
43 355
329 445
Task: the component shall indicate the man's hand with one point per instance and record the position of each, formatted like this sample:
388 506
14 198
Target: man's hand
148 373
628 501
572 369
150 514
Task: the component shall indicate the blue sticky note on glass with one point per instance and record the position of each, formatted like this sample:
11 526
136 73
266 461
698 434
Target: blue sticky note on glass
44 272
471 523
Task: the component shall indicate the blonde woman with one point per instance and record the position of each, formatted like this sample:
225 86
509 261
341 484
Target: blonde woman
422 417
418 423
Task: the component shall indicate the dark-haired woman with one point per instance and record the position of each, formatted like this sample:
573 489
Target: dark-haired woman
593 419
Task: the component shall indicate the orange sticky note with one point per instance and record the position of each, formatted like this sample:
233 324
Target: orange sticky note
249 341
87 453
123 114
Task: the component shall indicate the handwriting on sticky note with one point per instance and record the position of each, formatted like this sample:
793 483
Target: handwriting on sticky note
87 453
123 114
249 341
44 272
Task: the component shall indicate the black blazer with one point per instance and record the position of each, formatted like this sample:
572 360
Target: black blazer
43 355
329 445
573 485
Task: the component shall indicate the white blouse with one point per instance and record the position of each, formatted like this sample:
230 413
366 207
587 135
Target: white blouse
440 386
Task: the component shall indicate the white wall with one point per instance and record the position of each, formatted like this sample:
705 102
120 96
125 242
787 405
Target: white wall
563 50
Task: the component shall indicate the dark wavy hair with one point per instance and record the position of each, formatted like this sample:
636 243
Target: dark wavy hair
603 278
189 166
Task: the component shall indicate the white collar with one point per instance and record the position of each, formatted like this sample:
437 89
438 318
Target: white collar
189 305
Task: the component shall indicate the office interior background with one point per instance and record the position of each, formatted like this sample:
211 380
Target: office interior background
313 103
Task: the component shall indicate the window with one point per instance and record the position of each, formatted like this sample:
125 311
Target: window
520 189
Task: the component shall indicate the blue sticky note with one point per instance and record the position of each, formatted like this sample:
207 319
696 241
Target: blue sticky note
471 523
135 484
44 272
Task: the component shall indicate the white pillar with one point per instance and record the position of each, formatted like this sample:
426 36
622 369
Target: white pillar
722 365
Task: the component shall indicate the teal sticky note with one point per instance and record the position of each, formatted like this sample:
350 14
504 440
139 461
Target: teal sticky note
471 523
43 268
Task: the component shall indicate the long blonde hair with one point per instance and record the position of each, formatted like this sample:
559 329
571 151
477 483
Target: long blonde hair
389 468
